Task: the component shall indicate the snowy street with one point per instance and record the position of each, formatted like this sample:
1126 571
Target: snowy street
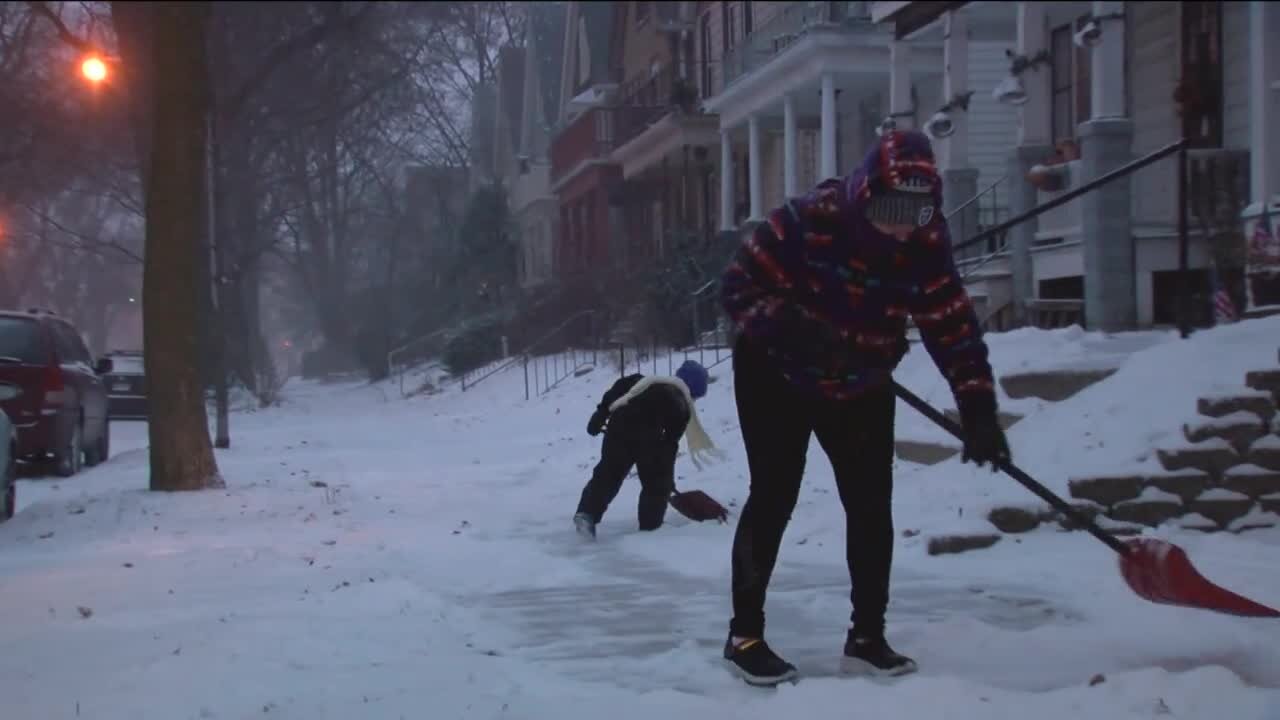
415 559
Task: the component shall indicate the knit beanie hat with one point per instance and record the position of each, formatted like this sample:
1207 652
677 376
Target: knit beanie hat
905 184
694 376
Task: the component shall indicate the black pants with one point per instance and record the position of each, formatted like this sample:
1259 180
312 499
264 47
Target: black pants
857 436
626 446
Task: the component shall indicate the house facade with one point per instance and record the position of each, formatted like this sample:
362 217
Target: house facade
1103 84
534 206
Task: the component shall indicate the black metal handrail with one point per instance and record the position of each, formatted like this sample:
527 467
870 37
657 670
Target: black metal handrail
1122 171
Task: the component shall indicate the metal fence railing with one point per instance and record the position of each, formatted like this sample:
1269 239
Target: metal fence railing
415 353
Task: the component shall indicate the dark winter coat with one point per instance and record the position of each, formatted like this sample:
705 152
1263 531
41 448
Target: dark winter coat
827 295
660 412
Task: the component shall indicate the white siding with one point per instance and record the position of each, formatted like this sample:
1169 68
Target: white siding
993 127
1153 75
1235 71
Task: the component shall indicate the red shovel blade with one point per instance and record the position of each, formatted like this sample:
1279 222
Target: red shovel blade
1161 572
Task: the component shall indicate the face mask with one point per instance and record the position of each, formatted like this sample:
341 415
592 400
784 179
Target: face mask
901 208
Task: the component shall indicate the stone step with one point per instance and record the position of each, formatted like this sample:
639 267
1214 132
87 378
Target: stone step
1006 419
1222 506
1265 380
955 544
1256 519
1186 484
1252 480
1017 519
1265 452
1196 521
1051 385
1152 508
1107 490
1240 428
1212 456
1270 503
1258 402
925 453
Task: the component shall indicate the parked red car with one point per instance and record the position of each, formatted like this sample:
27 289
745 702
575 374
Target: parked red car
52 391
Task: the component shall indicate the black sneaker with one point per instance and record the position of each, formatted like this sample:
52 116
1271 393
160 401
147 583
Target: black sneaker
753 661
873 656
585 525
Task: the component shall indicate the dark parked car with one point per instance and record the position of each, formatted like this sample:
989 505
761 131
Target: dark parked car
8 468
126 386
52 391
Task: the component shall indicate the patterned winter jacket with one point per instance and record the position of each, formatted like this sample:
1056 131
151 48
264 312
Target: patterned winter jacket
824 293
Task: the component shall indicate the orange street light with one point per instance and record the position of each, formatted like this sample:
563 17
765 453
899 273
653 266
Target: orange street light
94 69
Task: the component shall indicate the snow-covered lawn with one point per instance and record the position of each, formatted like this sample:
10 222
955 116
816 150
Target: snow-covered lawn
374 557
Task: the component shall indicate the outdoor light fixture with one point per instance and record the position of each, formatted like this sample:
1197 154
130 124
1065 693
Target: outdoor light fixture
941 125
889 124
1090 34
1011 91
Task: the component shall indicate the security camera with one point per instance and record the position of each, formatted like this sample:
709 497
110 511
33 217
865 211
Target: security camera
940 126
1010 91
1089 35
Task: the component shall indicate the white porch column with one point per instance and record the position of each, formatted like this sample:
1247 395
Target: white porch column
753 166
1032 38
1264 100
789 146
726 180
900 83
953 152
1107 90
828 126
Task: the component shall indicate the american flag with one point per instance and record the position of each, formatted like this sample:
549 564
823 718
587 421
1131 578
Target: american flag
1224 310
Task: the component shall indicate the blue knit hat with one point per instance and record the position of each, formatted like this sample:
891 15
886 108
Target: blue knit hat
694 377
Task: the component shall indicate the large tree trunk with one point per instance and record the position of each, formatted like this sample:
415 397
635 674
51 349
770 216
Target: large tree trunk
181 454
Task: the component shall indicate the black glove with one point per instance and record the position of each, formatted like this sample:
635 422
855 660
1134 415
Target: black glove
595 426
984 441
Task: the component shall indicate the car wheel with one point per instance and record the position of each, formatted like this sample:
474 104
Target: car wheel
70 456
101 449
10 507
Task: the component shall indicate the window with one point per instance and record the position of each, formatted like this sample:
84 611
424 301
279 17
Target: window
704 40
729 18
747 19
642 12
21 340
1203 80
1071 81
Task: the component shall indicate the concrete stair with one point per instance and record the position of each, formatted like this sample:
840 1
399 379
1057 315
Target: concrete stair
928 452
1225 476
1052 385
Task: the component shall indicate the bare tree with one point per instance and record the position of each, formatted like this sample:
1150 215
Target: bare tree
181 451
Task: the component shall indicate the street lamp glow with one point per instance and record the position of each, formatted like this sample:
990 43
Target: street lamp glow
94 69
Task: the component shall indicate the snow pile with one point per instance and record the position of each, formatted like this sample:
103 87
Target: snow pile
375 557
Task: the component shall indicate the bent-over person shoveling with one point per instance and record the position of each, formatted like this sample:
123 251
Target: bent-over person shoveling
642 419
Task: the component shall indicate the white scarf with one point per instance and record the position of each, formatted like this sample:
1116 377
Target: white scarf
700 445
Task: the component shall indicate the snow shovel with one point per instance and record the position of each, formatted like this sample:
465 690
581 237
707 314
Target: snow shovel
699 506
1156 570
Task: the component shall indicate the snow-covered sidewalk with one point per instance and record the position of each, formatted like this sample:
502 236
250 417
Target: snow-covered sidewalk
374 557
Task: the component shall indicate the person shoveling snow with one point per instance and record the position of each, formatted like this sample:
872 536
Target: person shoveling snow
821 293
643 419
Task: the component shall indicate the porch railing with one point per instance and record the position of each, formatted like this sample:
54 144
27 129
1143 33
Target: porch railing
646 99
590 136
792 23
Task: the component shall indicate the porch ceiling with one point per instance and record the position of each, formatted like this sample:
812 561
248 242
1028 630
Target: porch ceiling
671 132
860 63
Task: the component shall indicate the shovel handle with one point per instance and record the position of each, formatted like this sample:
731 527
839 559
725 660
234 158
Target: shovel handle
1014 472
